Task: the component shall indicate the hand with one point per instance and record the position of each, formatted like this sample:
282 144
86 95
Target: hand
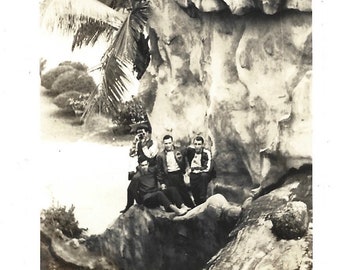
136 139
163 186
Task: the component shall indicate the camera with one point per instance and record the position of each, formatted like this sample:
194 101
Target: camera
141 135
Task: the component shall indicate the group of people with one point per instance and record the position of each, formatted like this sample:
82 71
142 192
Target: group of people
159 177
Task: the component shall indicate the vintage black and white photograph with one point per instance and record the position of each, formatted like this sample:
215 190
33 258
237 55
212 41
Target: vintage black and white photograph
176 134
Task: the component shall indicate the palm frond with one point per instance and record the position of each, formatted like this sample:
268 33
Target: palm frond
124 45
118 60
70 15
89 32
117 79
92 18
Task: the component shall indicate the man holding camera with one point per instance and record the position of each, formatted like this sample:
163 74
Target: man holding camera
142 146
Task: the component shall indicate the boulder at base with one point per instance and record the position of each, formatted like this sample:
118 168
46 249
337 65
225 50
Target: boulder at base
253 245
154 239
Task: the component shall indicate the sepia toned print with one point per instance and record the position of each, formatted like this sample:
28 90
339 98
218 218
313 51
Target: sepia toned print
194 117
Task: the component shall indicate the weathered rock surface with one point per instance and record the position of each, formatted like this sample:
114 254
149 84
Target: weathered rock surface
290 221
65 253
153 239
145 238
253 245
241 7
243 82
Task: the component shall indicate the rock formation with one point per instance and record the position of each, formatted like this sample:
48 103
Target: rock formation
254 245
273 232
145 238
153 239
238 73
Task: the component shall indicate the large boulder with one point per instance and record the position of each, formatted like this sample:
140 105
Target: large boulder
145 238
290 221
153 239
243 82
255 245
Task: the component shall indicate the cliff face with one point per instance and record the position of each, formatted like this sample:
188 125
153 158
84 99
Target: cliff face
238 73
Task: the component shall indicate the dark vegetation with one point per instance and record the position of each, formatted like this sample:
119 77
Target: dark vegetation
71 88
60 218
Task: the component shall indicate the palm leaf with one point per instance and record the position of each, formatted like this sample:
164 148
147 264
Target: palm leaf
118 60
117 79
70 15
124 45
89 32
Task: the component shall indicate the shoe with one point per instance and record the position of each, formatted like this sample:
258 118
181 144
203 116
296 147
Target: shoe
247 203
186 208
255 192
181 212
124 210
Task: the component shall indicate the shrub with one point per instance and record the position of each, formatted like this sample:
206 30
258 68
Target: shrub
74 80
76 65
64 100
130 112
49 77
62 219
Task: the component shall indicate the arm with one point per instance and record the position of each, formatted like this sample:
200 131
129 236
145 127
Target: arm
133 149
160 170
187 164
151 151
207 163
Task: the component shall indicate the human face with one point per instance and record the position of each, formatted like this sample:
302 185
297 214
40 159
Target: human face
198 146
168 144
144 166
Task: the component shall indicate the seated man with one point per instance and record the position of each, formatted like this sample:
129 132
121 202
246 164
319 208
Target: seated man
150 194
171 165
144 146
199 169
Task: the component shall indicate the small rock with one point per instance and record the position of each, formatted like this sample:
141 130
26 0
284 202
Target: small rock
82 240
74 243
290 221
59 234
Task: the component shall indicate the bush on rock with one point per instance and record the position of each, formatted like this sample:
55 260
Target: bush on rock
59 218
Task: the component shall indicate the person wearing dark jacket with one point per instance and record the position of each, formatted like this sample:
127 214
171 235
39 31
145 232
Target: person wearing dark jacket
142 146
200 167
171 166
150 194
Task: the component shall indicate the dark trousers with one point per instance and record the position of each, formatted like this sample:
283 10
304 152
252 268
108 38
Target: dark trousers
132 193
164 197
199 185
175 179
